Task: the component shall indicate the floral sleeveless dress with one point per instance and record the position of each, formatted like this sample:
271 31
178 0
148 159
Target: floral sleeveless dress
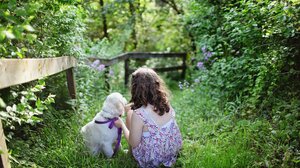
160 145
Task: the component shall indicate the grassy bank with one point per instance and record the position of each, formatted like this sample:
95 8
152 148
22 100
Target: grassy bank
212 138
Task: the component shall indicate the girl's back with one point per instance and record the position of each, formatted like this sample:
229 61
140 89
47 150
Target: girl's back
161 139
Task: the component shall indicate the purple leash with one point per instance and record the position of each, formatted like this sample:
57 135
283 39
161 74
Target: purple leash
110 126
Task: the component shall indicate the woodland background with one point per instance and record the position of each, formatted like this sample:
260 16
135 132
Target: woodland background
239 105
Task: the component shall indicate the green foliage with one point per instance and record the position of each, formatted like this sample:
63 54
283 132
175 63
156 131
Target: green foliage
2 103
90 84
250 45
40 28
217 138
59 144
246 57
60 30
29 108
108 48
163 33
238 108
16 26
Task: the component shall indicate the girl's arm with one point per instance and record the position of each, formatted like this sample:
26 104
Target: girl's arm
124 128
134 135
136 131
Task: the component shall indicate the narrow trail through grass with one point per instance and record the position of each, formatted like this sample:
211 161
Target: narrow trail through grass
210 139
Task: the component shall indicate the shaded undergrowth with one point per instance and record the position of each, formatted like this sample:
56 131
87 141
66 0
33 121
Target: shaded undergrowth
212 138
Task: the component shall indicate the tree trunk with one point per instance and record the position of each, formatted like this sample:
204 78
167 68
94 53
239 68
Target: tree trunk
104 22
133 23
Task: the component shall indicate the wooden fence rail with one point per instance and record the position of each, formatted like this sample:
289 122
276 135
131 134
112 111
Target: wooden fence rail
18 71
126 57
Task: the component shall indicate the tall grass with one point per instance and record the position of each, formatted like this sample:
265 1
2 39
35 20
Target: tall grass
211 137
56 142
59 144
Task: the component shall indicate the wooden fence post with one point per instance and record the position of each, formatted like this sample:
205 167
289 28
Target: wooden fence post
3 148
106 73
71 83
126 67
183 66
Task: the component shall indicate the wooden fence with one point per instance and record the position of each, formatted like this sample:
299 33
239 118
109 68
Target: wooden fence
18 71
126 57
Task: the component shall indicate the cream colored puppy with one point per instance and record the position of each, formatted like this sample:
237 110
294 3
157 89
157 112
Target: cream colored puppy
100 134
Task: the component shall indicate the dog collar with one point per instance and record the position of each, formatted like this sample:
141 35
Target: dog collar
110 126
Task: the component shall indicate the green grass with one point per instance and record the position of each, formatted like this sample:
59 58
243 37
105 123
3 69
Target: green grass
59 144
210 138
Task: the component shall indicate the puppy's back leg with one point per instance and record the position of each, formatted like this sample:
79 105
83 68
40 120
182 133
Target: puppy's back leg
108 150
94 149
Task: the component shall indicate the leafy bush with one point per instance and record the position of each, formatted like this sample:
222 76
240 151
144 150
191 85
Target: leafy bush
247 58
40 29
28 109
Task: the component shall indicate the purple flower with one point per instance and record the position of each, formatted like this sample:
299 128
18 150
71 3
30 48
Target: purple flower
200 65
203 49
101 67
95 63
197 80
208 55
111 72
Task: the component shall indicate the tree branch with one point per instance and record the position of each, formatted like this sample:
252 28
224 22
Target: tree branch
173 5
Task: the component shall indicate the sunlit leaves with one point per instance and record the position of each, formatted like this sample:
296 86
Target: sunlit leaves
39 28
2 103
28 28
28 108
8 34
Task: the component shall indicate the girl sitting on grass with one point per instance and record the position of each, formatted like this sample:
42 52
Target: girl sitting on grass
151 129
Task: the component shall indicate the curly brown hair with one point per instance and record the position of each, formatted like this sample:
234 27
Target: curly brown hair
148 87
